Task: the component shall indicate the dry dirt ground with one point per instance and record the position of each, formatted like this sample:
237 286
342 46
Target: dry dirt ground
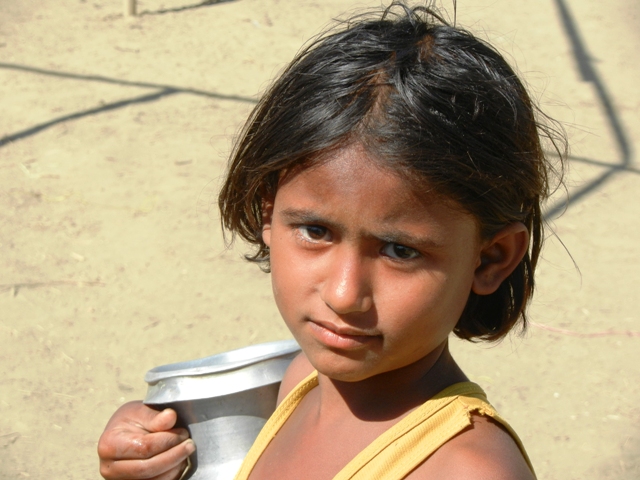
114 134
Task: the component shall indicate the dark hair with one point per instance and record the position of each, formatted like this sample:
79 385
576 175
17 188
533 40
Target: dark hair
428 100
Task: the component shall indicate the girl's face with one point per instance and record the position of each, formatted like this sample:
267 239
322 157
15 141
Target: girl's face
368 276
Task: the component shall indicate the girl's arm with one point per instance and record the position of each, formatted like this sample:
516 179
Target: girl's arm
141 443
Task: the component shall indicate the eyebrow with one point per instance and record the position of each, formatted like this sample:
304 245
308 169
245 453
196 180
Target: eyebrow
309 217
403 238
304 216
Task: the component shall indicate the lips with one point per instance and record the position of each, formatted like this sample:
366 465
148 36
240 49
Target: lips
341 337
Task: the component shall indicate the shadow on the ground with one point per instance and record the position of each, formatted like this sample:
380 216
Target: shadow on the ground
588 72
583 60
599 163
161 92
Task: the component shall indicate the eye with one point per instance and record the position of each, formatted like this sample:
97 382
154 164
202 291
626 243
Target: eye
399 252
314 233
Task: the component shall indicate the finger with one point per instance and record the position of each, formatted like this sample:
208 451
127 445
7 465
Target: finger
143 416
124 445
164 420
133 413
156 466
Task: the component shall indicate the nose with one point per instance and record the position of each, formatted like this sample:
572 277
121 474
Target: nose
347 287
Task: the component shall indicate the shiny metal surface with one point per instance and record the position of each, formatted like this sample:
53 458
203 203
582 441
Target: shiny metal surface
223 400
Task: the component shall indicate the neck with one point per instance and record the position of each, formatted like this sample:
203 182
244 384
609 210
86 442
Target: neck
392 394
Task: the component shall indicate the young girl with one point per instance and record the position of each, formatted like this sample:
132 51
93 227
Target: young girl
391 181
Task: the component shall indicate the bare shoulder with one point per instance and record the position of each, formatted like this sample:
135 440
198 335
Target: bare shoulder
298 370
484 451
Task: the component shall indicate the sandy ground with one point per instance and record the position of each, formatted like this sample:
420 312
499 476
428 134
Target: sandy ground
114 134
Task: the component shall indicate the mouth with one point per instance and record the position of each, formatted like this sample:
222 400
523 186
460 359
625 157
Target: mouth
341 337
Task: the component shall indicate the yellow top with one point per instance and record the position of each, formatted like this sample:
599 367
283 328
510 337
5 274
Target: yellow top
403 447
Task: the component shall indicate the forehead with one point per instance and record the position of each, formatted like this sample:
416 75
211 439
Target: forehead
360 190
344 172
341 167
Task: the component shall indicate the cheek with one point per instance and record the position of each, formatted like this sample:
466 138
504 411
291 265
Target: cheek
282 296
278 279
285 276
433 306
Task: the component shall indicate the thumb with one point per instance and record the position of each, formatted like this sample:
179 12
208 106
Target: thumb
164 420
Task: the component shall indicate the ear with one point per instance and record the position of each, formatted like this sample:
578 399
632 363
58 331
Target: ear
499 257
267 217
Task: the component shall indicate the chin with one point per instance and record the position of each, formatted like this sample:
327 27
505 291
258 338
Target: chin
343 369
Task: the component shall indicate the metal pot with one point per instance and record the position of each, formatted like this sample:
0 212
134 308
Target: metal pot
223 400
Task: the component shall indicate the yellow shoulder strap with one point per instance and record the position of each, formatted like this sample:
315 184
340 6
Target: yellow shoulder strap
411 441
404 446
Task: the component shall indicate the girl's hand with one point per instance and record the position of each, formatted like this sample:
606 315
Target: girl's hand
141 443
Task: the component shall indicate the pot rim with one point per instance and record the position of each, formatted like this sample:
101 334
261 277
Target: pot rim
223 362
